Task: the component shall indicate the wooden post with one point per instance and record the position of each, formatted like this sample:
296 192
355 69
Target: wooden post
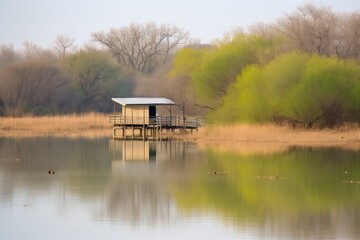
132 122
161 123
170 118
143 130
124 128
132 116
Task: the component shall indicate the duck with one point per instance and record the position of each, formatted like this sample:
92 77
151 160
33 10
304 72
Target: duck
51 172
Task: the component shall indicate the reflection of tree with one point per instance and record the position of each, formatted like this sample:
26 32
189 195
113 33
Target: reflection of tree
25 163
300 192
331 224
138 200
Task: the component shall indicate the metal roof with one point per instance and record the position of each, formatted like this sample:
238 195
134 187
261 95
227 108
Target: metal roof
143 101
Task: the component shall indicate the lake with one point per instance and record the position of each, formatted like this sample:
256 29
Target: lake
105 189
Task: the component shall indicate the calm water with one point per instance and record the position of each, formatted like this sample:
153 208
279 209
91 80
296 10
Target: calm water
106 189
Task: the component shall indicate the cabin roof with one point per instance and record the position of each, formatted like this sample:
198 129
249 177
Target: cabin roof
143 101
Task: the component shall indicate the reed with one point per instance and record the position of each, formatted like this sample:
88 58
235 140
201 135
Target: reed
85 125
270 137
237 137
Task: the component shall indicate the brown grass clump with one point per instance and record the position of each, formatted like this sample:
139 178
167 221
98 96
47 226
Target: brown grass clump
89 125
268 137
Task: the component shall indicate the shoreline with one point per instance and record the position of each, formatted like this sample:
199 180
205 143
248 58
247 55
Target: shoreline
237 137
246 138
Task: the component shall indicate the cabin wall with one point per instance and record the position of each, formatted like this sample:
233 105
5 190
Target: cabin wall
136 114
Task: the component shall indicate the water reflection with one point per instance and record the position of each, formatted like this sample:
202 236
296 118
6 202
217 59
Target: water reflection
299 193
141 173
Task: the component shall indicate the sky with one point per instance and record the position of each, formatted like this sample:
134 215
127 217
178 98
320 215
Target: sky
41 21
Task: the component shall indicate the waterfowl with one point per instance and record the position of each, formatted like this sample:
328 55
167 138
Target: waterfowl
51 172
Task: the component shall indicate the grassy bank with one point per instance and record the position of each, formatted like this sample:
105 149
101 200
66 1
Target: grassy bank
271 138
90 125
239 137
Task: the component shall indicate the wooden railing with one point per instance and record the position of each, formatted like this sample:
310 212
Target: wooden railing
159 121
121 120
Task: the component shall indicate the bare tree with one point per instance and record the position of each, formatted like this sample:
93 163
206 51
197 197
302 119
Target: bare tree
63 44
268 31
7 54
28 86
347 42
31 50
142 48
311 29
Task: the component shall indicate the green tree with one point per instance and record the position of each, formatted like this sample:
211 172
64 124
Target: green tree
309 89
220 66
179 81
325 92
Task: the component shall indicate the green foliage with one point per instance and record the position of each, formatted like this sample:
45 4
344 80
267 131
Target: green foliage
212 70
186 61
220 67
325 90
295 87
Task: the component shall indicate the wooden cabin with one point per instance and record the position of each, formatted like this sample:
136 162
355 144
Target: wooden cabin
138 118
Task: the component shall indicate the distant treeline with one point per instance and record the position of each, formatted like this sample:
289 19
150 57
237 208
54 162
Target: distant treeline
302 69
67 79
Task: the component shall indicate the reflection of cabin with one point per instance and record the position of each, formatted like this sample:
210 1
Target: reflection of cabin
139 118
138 151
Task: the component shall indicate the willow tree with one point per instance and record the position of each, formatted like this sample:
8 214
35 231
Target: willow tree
220 66
186 61
325 92
310 89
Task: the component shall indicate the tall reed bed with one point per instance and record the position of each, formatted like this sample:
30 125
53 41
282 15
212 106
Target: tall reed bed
270 136
89 124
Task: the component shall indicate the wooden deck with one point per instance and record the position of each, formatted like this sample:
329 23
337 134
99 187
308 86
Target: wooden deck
141 128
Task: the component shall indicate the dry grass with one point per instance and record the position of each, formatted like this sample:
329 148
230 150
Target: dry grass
240 138
90 125
271 138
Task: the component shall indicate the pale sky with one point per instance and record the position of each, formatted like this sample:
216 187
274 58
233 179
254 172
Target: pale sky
41 21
